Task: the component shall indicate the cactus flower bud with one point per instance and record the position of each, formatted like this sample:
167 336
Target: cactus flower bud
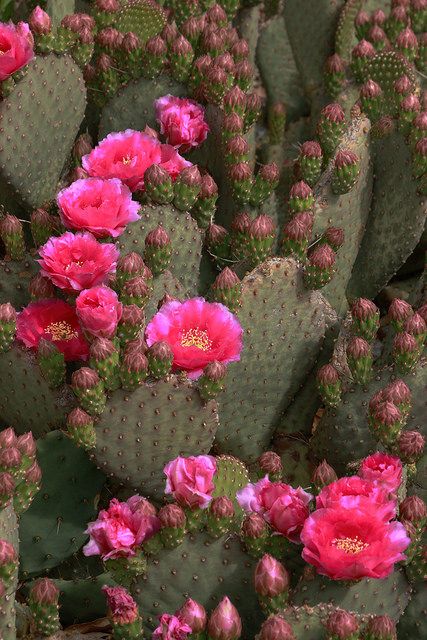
416 326
378 37
227 289
181 56
398 312
406 352
410 446
27 445
43 603
413 509
329 385
7 437
235 101
310 162
41 288
11 460
323 475
158 184
301 197
386 422
89 389
131 323
204 208
220 516
359 360
133 370
271 584
360 56
172 521
240 175
51 362
7 488
362 23
40 22
193 614
160 358
123 613
240 49
218 241
8 563
320 267
135 291
276 628
11 232
371 98
346 171
366 318
342 625
276 122
381 628
26 490
266 180
81 428
297 233
253 109
224 622
255 534
407 43
403 86
334 74
331 127
158 250
259 240
399 393
129 266
270 463
187 187
211 383
334 236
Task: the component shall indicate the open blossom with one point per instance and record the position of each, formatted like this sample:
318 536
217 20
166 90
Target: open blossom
99 311
122 606
103 207
384 469
282 506
190 480
77 261
353 491
56 321
171 628
182 121
16 47
355 546
121 529
198 333
126 155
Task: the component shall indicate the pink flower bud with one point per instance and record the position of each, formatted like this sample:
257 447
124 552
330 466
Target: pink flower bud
101 349
270 462
381 628
45 591
335 237
370 89
363 49
271 577
193 614
241 223
131 263
215 371
7 552
262 227
26 444
7 485
33 474
300 190
403 85
323 475
407 39
415 324
109 6
123 608
327 374
323 257
378 17
333 112
254 526
222 507
397 392
40 22
311 149
413 509
276 628
358 348
235 98
342 624
362 309
299 226
404 343
10 458
345 158
84 378
224 622
8 436
227 279
386 413
240 49
335 64
172 515
411 445
156 46
208 187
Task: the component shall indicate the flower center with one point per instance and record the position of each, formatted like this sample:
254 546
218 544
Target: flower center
127 159
350 545
196 338
61 331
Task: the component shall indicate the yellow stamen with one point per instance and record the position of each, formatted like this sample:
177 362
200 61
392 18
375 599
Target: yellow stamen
350 545
61 331
126 160
196 338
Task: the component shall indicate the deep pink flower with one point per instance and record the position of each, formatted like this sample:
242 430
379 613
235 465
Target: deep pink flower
352 546
99 311
198 332
182 121
128 154
171 628
103 207
384 469
120 530
56 321
352 492
190 480
282 506
16 47
122 606
77 261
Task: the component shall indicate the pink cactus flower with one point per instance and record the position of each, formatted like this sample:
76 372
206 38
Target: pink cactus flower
120 530
56 321
171 628
99 311
103 207
190 480
16 48
77 261
353 491
352 548
182 122
122 606
198 333
384 469
282 506
126 155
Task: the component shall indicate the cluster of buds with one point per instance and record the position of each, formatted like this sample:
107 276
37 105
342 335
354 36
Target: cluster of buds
20 475
411 328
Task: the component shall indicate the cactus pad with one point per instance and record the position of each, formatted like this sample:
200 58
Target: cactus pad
39 121
140 432
8 532
52 528
14 280
145 18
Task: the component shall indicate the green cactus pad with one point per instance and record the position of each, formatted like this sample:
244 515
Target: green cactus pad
39 121
203 569
133 106
388 596
26 400
348 211
52 528
231 476
311 28
278 69
308 622
140 432
145 18
413 620
185 236
284 326
294 453
162 284
9 532
390 236
14 281
385 68
345 37
82 600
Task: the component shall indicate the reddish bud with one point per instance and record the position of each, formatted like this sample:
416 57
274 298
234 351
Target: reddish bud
10 458
26 444
363 309
261 227
276 628
381 628
254 526
342 624
39 21
327 375
411 445
404 343
172 516
224 622
44 591
311 149
323 257
270 462
370 89
399 310
363 49
271 577
7 486
84 378
193 614
7 552
101 349
222 507
300 190
33 474
397 392
156 46
413 509
407 39
8 436
240 49
335 64
323 475
335 237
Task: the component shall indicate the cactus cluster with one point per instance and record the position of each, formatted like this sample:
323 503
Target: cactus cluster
213 319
